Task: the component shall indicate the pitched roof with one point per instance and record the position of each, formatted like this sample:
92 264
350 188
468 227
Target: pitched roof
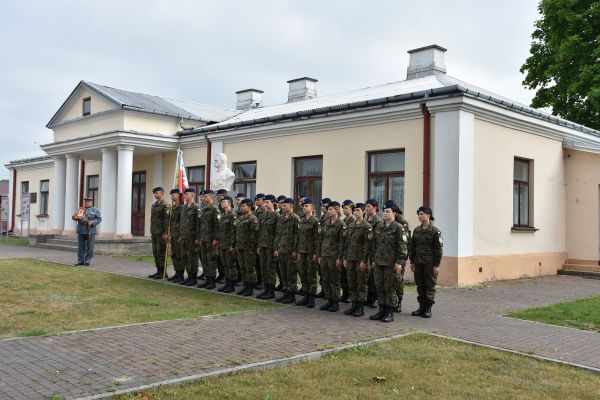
125 99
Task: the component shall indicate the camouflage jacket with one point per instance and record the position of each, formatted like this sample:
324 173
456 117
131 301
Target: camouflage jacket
286 240
208 220
188 228
226 229
390 244
268 229
246 232
175 220
308 235
331 242
159 217
357 241
426 245
374 222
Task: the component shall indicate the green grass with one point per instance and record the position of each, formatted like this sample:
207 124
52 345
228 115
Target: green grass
14 241
415 367
580 314
40 298
146 259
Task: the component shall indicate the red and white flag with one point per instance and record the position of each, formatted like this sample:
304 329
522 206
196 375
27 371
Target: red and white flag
181 180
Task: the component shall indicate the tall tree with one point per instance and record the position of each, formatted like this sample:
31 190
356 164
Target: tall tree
564 65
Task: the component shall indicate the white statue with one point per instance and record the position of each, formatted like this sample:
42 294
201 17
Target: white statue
223 177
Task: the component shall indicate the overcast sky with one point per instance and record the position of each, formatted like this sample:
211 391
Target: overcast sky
205 51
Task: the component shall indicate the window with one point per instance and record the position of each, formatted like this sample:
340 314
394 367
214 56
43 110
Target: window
196 178
245 178
92 187
87 106
308 178
386 176
44 190
25 187
522 193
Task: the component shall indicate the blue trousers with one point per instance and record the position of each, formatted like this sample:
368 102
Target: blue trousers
85 248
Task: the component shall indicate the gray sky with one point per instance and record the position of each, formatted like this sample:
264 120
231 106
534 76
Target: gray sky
204 51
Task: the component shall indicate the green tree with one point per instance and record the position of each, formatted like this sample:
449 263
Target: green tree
564 65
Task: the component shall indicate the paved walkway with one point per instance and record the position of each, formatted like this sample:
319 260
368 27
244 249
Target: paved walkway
88 363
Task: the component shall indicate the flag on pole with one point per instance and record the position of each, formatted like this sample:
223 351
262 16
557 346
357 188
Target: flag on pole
181 180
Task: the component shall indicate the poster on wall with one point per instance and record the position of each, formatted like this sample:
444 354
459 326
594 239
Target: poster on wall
25 207
4 208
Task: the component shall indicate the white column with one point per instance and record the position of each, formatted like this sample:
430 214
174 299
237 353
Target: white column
11 205
108 192
124 177
453 194
58 194
71 192
158 164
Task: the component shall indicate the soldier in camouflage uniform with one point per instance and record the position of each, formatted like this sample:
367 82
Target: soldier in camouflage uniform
400 276
246 243
277 207
330 254
308 241
238 213
371 208
390 248
347 219
357 247
219 196
259 211
174 225
188 231
425 257
159 226
266 247
208 220
324 204
225 241
286 250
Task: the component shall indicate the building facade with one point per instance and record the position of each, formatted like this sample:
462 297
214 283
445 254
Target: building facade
507 183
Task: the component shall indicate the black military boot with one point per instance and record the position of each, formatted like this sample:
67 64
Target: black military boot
303 301
159 273
351 310
345 296
202 277
290 298
427 311
242 290
177 278
229 287
335 306
222 288
320 295
211 283
279 287
220 278
192 281
311 301
249 289
389 315
264 292
326 306
151 276
359 311
379 314
203 285
270 293
418 312
374 303
184 281
283 296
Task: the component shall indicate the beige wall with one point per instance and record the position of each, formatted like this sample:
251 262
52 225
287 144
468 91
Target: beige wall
582 197
37 224
74 107
105 123
344 154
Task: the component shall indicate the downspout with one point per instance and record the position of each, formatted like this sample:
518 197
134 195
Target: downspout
208 161
426 154
14 200
81 176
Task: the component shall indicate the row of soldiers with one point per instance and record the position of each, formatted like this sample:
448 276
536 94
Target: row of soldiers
355 252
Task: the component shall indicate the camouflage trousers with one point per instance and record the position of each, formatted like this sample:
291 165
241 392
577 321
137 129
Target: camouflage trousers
176 255
189 253
289 273
247 261
308 273
267 265
425 282
158 250
371 288
400 284
330 275
208 257
358 281
386 282
227 262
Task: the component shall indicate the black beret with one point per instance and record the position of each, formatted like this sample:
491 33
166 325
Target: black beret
247 201
158 189
334 204
425 209
228 198
190 190
288 200
325 201
259 196
175 191
391 204
237 196
270 197
360 205
347 202
280 198
88 198
307 200
302 196
221 191
206 191
372 202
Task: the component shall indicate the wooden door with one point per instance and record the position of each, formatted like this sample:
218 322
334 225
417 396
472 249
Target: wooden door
138 203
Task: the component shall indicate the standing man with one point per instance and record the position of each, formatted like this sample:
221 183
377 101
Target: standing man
371 208
259 211
221 269
348 218
175 223
246 242
188 232
224 242
159 225
400 276
87 220
324 204
286 250
308 241
208 219
266 248
330 254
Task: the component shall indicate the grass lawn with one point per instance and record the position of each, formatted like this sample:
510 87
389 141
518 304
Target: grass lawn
581 314
15 241
418 366
42 298
146 259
